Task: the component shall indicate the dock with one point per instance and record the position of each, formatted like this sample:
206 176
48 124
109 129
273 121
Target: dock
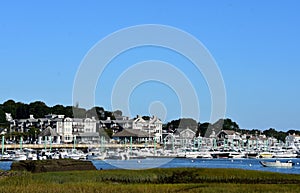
77 146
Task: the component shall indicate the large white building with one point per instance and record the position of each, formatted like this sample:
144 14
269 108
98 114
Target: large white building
293 140
64 127
82 130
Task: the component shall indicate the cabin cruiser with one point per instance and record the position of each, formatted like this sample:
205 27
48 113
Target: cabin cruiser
277 163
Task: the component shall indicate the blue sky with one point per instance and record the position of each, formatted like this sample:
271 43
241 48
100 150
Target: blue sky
255 44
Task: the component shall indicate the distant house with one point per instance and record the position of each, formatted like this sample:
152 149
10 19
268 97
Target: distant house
184 137
49 135
293 140
87 130
229 134
153 126
169 139
64 127
258 141
229 137
83 129
136 134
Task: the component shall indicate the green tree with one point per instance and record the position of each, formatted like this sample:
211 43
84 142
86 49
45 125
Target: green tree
33 133
22 111
109 132
228 124
2 116
58 109
202 129
79 112
118 113
182 123
10 107
69 111
280 135
146 118
39 109
292 132
110 114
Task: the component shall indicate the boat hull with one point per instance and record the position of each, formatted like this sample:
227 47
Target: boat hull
277 164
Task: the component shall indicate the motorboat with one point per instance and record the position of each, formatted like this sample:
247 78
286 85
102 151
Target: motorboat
6 157
285 154
95 155
277 163
266 155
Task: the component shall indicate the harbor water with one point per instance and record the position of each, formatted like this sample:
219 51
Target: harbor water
246 164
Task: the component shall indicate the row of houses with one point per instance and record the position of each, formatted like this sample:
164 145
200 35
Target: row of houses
86 130
227 138
90 130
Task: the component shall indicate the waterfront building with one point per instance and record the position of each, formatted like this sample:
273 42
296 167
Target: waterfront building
153 126
137 136
293 140
229 138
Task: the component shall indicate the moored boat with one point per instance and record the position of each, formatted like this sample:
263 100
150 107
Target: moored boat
285 154
277 163
266 155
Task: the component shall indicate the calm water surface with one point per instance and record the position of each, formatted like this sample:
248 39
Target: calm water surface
247 164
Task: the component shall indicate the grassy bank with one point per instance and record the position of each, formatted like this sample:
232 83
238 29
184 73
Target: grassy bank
154 180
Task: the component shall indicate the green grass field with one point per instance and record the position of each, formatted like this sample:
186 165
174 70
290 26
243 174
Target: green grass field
153 180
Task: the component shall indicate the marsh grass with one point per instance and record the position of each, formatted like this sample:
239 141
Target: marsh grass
154 180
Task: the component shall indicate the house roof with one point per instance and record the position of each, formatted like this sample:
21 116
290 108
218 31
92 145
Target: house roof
132 133
139 119
187 130
229 132
48 132
154 119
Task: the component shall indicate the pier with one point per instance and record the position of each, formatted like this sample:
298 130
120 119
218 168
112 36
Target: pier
78 146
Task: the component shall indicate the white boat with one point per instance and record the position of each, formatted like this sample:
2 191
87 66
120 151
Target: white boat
16 155
6 157
76 154
192 154
119 155
251 154
285 154
19 155
135 154
266 155
277 163
96 155
168 154
31 154
205 154
236 154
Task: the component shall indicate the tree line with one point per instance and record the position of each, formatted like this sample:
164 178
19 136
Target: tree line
39 109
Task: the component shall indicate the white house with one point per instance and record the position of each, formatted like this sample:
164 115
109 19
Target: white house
153 126
293 140
64 127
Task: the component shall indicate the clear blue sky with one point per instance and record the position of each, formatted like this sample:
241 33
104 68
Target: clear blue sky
256 45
